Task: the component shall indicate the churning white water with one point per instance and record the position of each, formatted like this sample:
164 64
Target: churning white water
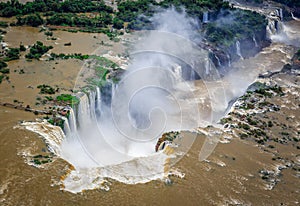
115 137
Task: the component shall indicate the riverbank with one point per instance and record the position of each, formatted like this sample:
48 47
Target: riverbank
255 162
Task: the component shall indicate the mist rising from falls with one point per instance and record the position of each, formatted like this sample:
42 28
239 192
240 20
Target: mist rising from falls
117 132
287 34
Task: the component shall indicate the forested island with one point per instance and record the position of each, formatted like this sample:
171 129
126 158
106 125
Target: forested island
96 16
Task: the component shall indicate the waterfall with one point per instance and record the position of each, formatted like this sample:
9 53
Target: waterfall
254 40
98 102
275 24
113 89
207 67
229 60
177 71
67 129
275 28
271 28
281 14
218 60
277 12
92 101
88 108
295 18
192 75
205 17
84 110
238 49
72 121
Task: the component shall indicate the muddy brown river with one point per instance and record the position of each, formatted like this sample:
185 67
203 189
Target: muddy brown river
230 176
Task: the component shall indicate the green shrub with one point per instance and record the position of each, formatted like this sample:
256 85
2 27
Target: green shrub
4 71
22 47
3 24
37 50
12 54
1 78
46 89
48 33
68 98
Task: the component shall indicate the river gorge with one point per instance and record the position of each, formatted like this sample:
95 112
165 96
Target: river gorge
168 126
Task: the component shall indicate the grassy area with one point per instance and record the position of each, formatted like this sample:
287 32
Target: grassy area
68 99
37 50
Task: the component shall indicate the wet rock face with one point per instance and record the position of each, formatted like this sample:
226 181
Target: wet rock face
287 69
296 61
249 47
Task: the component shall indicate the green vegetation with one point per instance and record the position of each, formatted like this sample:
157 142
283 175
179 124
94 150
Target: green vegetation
170 136
270 124
225 32
104 67
244 126
251 121
69 19
265 90
101 72
12 54
1 78
46 89
41 159
3 71
2 32
48 33
134 15
255 1
3 24
225 120
104 62
68 99
57 122
2 65
290 3
14 7
298 55
30 20
69 56
37 50
22 47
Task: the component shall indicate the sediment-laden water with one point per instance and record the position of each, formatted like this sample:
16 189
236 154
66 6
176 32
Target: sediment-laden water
228 176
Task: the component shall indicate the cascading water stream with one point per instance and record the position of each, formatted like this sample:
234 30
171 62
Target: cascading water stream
281 14
109 145
72 120
205 17
254 40
295 18
218 60
238 49
67 129
207 67
229 60
177 71
98 102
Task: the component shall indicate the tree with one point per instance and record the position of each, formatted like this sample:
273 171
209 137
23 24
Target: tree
118 23
30 20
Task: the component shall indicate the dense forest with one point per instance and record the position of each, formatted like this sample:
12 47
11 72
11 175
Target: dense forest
96 16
